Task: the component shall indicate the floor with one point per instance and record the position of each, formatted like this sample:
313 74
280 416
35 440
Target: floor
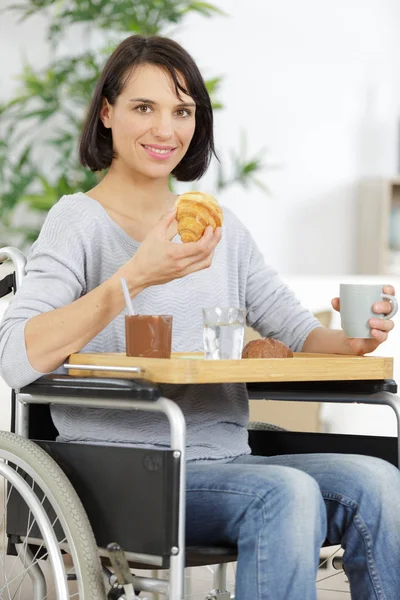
201 583
332 584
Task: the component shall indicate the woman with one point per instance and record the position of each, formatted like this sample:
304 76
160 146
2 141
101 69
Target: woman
151 116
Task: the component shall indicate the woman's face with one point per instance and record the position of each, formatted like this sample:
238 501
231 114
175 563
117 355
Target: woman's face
151 127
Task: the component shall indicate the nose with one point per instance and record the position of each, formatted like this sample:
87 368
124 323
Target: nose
162 126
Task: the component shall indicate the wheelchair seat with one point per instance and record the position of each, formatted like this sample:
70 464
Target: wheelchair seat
199 556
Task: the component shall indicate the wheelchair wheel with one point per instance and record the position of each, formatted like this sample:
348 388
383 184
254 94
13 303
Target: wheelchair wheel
331 578
47 547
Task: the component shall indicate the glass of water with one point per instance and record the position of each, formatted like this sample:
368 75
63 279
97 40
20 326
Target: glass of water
223 332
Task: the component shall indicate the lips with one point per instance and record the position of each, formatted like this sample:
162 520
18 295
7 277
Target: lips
159 152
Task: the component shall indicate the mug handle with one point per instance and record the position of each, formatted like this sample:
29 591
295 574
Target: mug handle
395 305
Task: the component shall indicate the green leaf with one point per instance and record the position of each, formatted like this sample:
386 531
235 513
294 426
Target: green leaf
14 102
205 8
42 114
212 85
41 202
24 158
262 186
251 166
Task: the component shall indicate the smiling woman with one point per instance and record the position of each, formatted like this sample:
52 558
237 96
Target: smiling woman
151 126
151 129
150 96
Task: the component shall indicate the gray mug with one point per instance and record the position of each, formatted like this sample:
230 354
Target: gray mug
356 301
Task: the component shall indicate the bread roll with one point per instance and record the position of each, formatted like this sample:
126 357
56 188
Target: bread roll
195 212
266 348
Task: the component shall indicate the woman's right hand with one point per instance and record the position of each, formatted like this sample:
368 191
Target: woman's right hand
160 260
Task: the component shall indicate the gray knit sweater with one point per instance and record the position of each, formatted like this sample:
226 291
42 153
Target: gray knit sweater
80 247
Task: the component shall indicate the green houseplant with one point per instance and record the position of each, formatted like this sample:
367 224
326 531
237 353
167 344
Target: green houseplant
45 116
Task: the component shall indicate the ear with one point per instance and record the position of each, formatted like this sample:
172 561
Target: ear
106 113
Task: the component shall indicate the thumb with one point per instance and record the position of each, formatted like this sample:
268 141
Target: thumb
336 304
166 223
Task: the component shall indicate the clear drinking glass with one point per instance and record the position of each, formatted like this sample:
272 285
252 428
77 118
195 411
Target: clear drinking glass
223 332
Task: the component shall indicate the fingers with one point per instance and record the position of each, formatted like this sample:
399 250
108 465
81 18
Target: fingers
380 329
385 325
198 250
335 302
389 289
384 307
379 336
205 245
202 259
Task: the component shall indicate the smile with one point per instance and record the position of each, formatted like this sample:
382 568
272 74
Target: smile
159 152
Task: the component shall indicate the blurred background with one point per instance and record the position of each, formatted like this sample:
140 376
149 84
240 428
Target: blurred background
307 98
307 111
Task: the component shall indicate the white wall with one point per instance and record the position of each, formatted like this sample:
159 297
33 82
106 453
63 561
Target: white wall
316 82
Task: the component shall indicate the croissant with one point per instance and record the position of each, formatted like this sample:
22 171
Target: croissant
195 212
266 348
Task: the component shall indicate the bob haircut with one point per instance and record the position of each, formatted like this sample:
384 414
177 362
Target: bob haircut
96 145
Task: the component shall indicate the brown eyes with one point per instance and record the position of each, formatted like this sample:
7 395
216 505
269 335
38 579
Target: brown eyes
145 109
183 112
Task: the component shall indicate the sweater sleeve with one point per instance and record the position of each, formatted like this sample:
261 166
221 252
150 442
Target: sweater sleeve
54 278
272 308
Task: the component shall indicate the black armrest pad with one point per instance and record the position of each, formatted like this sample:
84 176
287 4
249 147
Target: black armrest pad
93 387
7 285
369 386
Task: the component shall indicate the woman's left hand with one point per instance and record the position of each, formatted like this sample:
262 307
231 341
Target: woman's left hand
379 327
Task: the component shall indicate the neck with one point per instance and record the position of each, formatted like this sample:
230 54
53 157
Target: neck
133 193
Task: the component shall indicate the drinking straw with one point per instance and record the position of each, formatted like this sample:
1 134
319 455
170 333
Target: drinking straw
128 300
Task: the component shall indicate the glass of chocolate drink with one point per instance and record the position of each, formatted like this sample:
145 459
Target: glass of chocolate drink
149 336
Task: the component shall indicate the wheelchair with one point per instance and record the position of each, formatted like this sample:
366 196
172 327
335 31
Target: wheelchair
79 519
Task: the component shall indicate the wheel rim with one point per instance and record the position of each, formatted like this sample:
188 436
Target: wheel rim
16 577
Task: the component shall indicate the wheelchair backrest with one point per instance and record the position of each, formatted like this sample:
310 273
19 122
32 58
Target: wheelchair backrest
40 422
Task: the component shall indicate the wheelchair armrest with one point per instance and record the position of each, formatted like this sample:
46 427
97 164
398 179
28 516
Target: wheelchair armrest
7 285
93 387
307 389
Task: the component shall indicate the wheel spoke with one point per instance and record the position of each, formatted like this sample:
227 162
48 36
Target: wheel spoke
22 553
330 557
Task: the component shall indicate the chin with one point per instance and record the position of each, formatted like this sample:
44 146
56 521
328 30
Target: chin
157 171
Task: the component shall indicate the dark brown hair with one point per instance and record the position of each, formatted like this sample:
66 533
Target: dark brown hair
96 146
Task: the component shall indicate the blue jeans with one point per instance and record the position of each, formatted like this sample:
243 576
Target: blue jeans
279 510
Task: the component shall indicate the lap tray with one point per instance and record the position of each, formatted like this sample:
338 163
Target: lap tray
185 368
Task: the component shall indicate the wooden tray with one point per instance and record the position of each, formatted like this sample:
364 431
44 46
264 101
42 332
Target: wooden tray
192 368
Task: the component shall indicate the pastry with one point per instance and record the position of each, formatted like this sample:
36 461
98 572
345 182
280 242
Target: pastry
195 211
266 348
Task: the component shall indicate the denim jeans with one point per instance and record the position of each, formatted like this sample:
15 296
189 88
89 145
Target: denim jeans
279 510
